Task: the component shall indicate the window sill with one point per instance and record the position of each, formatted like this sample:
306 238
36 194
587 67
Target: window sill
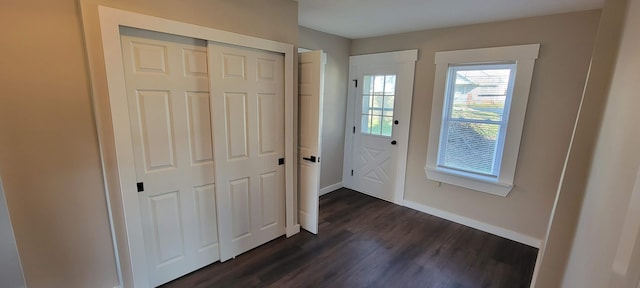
474 182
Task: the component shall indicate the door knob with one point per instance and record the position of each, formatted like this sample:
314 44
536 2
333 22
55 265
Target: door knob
394 142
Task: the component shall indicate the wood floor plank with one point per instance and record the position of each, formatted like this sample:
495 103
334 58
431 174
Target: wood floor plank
367 242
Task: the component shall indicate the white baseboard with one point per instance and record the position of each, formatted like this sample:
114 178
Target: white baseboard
292 230
495 230
331 188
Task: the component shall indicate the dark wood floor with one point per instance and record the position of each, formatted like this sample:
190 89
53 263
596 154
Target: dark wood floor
366 242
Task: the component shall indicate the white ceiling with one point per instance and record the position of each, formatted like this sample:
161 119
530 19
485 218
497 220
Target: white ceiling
367 18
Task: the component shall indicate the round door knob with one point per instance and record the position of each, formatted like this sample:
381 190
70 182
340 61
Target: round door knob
396 122
394 142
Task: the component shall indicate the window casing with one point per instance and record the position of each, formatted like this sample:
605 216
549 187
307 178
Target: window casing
479 102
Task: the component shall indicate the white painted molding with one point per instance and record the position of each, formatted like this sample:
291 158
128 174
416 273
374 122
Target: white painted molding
495 230
492 54
469 181
386 57
330 188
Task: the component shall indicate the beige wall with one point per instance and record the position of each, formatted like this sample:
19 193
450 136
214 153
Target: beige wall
49 157
335 99
614 169
275 19
558 81
571 190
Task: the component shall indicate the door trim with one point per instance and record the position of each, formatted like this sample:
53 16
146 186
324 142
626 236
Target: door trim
406 59
114 135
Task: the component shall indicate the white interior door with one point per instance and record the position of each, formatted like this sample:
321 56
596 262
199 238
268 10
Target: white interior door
380 105
168 98
247 87
311 83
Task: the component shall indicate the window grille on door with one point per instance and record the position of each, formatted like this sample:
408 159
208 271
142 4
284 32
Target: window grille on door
378 95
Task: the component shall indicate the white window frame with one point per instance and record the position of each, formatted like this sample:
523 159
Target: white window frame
524 57
448 109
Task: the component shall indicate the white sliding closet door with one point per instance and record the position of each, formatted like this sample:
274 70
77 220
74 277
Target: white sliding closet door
247 88
169 109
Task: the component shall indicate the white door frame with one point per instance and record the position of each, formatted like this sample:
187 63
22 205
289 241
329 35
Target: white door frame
132 252
406 59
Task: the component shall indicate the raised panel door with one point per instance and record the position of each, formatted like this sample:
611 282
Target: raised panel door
169 107
248 102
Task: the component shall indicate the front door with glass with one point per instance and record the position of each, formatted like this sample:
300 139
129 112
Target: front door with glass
377 135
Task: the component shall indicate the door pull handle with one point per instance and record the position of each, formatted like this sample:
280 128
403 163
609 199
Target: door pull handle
311 158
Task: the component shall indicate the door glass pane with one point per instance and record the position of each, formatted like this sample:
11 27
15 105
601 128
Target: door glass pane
388 102
375 124
365 128
378 96
390 85
378 84
367 86
366 103
387 123
376 108
388 106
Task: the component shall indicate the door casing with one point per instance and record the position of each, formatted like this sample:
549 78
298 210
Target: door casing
115 149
